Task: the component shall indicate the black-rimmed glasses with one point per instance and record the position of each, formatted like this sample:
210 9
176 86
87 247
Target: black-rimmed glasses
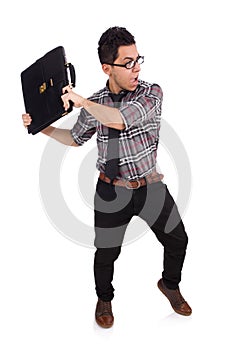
130 64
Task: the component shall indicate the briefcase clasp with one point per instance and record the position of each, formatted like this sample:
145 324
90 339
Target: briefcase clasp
42 88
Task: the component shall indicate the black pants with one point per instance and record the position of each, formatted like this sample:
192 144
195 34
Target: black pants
114 208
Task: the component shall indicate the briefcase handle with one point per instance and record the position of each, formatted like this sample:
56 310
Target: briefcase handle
72 74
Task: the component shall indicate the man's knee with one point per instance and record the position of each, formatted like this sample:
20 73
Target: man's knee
103 255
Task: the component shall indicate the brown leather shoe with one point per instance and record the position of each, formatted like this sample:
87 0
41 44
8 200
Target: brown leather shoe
177 302
103 315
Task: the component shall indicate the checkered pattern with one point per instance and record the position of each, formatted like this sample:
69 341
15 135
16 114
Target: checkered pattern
138 142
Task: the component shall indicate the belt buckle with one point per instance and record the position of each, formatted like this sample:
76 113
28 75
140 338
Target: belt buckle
131 187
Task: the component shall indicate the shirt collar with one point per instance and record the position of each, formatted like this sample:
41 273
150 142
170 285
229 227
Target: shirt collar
122 92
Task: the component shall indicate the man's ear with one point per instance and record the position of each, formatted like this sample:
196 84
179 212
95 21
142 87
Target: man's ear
106 68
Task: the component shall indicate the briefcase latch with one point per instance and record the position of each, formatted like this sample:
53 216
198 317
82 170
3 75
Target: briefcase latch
42 88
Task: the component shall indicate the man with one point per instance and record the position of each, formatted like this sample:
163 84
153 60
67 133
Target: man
126 116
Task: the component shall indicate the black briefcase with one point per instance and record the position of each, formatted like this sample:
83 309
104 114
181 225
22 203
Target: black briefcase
42 85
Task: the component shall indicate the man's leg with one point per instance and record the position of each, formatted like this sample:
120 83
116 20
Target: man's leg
112 215
169 229
104 270
103 273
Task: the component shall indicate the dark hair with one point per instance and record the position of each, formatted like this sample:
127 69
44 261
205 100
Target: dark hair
110 41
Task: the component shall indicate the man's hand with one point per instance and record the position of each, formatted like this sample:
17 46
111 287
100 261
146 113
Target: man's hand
26 119
60 135
69 95
106 115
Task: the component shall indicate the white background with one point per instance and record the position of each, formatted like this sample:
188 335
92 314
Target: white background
47 296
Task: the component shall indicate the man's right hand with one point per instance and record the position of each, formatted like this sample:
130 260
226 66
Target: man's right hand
60 135
26 119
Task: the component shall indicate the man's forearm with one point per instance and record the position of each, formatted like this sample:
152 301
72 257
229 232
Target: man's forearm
60 135
106 115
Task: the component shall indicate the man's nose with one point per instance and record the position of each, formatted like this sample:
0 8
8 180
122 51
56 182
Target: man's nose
137 67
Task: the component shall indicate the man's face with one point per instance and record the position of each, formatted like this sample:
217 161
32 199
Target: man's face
121 78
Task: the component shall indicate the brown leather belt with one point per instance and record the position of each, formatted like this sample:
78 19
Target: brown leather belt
133 184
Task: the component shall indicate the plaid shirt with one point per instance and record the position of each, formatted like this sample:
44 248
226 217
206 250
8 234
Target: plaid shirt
138 142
